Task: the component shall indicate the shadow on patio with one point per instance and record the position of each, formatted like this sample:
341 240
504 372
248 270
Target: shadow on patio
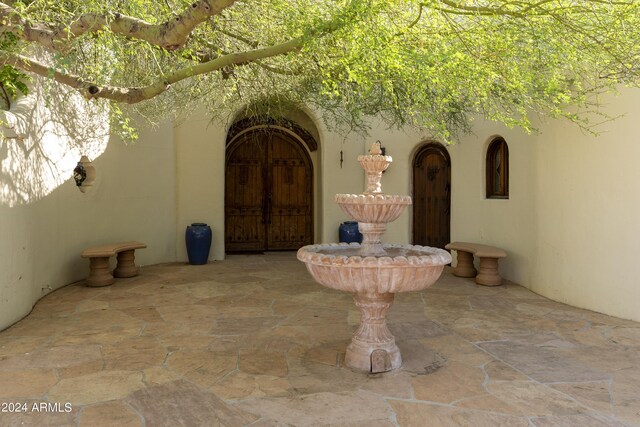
253 340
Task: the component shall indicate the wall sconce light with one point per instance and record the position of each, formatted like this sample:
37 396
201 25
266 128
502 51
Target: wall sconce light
84 174
79 174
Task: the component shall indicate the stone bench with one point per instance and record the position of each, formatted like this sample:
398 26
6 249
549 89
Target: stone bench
99 271
488 274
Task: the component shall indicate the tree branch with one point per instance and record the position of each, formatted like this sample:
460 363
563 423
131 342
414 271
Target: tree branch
170 35
521 11
5 96
475 10
243 39
202 58
133 95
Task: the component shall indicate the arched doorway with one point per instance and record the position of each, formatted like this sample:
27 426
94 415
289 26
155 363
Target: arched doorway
432 196
268 191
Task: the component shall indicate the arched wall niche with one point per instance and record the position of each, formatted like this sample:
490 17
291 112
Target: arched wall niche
496 168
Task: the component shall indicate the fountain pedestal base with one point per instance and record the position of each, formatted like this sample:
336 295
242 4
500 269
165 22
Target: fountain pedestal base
373 348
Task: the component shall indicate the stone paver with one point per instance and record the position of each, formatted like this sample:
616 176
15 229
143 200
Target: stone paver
182 403
110 414
451 383
98 387
542 364
253 340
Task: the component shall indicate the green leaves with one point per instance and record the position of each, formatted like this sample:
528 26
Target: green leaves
12 84
433 64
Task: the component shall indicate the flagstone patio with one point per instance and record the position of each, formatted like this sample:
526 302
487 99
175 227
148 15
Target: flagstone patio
253 340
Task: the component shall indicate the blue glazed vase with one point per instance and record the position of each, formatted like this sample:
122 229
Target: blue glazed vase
348 232
198 238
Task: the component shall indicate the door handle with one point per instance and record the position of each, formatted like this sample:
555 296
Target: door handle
269 208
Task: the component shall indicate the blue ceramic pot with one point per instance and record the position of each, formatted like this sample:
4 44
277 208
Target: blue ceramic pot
198 238
348 232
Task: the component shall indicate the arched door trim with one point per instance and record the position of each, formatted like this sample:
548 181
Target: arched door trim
243 126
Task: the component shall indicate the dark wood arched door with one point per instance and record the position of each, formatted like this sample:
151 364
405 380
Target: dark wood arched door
432 196
268 192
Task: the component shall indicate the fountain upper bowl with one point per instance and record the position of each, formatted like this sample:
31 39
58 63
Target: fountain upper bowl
374 163
405 268
373 208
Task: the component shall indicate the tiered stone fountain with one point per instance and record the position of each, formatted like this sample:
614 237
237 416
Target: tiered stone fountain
373 271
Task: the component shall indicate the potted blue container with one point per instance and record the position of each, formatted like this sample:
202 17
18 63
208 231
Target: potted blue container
348 232
198 238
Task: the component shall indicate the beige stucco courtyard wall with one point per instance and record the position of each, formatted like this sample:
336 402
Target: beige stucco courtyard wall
587 200
45 221
569 226
505 223
200 166
200 158
571 195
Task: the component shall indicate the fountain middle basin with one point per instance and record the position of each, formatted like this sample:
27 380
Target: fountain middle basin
373 208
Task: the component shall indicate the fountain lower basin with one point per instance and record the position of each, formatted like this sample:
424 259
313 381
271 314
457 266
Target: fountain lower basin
404 268
374 280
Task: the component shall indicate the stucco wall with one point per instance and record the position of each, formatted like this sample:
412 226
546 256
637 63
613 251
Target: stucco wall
45 221
336 179
200 158
200 185
587 212
505 223
570 226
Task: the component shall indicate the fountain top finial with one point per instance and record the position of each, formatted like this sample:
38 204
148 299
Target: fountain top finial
374 164
375 149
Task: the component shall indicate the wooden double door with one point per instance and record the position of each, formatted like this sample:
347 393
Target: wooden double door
432 196
268 192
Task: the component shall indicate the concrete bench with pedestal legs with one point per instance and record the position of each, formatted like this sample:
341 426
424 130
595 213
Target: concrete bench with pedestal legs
99 272
488 274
